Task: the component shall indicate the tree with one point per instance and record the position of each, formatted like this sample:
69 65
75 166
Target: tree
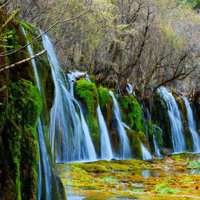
120 41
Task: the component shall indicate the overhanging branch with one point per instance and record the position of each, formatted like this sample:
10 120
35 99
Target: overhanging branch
22 61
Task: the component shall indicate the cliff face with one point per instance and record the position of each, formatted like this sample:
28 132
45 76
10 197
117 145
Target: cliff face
21 104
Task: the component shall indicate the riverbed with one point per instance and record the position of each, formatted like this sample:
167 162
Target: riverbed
170 178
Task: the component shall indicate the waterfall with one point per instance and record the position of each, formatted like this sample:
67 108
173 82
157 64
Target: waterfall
68 132
72 77
156 147
129 88
39 192
106 148
125 150
192 126
44 165
156 131
178 140
145 153
89 146
30 50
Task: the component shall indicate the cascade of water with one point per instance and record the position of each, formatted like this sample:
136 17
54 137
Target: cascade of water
30 50
125 150
145 153
72 77
39 194
192 126
106 148
44 163
156 131
156 147
129 88
178 139
91 154
69 133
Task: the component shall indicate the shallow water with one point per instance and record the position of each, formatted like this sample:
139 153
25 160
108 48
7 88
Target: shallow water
168 178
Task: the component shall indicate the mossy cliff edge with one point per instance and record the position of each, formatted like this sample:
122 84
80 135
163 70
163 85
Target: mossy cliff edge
141 128
20 106
90 96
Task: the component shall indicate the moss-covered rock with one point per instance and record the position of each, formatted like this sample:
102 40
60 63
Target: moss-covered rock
136 138
19 140
132 112
105 101
20 106
43 69
104 97
153 130
186 131
86 92
19 109
160 117
158 133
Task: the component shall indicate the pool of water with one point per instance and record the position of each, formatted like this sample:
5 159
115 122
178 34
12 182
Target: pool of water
134 179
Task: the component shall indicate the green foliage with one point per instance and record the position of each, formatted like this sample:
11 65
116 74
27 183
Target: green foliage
171 36
132 112
192 3
11 38
90 30
27 26
10 18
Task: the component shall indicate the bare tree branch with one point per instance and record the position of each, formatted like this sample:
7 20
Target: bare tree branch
46 31
22 61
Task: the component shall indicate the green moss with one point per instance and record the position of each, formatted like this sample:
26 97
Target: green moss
163 188
135 139
20 136
96 168
193 164
154 131
43 69
104 97
158 134
20 105
106 104
150 128
160 117
183 109
86 92
25 97
132 112
27 26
